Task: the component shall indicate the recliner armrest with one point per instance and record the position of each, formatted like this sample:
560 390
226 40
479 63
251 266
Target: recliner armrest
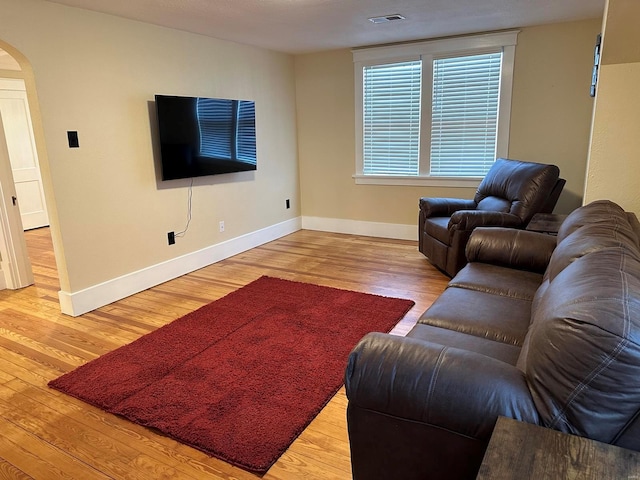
450 388
508 247
444 207
470 219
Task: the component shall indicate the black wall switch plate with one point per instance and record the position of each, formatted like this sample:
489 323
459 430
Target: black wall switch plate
72 136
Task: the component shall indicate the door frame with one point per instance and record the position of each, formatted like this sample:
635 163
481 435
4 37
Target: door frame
16 237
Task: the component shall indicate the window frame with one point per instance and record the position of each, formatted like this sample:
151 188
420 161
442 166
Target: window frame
427 51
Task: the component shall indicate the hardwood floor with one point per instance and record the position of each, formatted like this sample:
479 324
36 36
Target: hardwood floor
45 434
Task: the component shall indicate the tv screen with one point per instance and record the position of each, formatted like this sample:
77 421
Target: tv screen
205 136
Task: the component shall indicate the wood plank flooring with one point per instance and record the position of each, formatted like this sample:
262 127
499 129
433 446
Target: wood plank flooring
47 435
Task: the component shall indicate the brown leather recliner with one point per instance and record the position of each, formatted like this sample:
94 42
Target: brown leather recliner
509 195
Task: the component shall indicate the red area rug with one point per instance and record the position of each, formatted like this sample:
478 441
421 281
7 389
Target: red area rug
242 377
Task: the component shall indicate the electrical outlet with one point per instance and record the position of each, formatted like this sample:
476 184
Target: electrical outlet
222 225
171 238
288 203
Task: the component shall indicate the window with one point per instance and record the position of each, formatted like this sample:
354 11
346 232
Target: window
464 115
391 119
433 112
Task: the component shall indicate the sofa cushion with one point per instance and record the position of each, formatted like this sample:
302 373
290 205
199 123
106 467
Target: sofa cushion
485 277
582 352
449 338
487 315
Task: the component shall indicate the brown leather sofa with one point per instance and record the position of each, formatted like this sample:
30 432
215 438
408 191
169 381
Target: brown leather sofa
509 195
538 328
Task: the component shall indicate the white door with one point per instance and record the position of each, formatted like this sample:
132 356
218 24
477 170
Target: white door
15 268
14 109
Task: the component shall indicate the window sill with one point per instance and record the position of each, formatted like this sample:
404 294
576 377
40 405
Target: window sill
466 182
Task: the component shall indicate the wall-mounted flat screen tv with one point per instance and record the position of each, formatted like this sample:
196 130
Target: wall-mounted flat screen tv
205 136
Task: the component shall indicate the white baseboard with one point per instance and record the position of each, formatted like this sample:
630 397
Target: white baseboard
96 296
83 301
356 227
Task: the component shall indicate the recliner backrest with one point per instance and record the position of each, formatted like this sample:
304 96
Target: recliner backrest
516 187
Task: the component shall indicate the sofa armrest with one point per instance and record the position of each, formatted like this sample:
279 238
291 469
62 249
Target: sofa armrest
508 247
444 207
454 389
470 219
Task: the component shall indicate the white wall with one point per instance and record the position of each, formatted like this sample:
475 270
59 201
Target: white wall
550 121
614 169
98 74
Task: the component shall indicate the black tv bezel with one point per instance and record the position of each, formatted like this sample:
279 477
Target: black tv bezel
167 162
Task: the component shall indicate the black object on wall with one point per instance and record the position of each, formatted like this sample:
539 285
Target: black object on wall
596 65
205 136
72 137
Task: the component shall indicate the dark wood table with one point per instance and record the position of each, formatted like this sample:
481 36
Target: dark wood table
546 223
519 451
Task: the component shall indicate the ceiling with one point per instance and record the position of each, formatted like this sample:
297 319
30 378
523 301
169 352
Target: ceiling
304 26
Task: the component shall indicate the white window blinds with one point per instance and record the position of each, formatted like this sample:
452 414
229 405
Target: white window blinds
391 118
466 92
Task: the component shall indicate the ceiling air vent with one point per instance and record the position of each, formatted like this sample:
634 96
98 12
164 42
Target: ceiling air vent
386 18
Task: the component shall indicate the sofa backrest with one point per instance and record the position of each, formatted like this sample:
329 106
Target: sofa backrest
516 187
581 354
599 225
601 212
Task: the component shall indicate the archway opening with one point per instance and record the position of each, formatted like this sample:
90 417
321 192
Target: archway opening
28 177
